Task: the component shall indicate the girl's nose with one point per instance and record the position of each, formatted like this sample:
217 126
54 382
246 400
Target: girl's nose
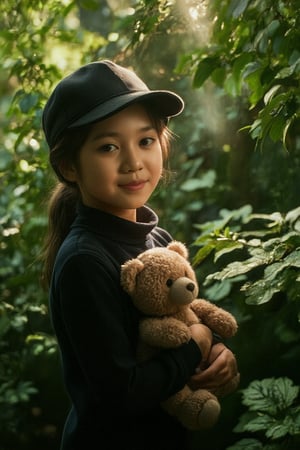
131 161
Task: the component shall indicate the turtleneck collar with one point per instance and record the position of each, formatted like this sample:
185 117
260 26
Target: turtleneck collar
115 227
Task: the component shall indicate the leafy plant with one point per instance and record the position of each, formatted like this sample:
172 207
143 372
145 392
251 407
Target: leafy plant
272 251
256 261
272 414
254 48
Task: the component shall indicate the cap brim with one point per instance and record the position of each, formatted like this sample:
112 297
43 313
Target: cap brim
168 104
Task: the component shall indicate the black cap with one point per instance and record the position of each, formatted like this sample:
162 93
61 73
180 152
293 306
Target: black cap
96 91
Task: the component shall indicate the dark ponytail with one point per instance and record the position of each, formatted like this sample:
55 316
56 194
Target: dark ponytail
61 214
63 199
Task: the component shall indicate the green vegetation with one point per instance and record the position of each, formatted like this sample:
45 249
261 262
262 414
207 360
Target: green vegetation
233 198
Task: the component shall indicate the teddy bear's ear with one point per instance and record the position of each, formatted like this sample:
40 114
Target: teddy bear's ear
129 271
178 247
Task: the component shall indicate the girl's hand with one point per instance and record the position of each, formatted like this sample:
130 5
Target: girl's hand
203 337
221 367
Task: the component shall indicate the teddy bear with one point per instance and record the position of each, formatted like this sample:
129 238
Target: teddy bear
163 287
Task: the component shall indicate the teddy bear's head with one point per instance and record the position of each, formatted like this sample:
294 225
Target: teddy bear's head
160 280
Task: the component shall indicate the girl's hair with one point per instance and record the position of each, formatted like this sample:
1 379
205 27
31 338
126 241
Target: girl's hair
65 196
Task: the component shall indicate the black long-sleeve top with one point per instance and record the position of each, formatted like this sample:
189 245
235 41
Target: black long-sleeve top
115 400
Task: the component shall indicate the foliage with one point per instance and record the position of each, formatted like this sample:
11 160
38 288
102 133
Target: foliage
254 46
258 256
273 252
271 413
27 32
217 166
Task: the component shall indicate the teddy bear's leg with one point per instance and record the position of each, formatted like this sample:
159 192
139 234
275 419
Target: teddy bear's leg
174 403
200 410
196 410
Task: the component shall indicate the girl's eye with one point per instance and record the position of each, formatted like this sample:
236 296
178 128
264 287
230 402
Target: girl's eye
146 142
108 148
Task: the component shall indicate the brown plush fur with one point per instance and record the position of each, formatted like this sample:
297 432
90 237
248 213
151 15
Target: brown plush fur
163 286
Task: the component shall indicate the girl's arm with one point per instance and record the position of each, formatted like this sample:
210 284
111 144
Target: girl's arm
95 324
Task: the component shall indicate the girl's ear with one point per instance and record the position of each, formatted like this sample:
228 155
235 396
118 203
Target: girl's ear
68 171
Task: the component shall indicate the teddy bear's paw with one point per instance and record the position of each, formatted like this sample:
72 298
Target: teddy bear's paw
216 318
200 410
209 415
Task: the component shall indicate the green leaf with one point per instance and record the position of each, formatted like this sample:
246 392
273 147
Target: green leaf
5 325
203 253
232 85
238 68
286 129
205 67
273 281
280 428
293 215
246 444
271 92
260 423
227 246
260 257
218 291
252 75
270 395
207 180
218 76
252 68
286 72
260 292
28 101
239 7
293 259
275 106
89 4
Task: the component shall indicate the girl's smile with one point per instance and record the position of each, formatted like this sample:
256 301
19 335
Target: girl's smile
134 186
120 164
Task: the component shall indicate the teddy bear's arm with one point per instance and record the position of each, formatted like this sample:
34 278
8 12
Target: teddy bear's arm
165 332
216 318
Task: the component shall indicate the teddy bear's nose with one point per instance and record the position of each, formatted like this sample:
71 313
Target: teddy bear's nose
190 287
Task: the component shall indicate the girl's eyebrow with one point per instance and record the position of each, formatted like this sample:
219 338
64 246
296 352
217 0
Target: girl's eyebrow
104 134
108 134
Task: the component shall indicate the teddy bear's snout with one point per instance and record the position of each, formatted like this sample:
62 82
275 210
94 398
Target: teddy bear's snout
183 291
190 287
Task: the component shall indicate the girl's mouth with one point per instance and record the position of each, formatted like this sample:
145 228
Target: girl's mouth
134 185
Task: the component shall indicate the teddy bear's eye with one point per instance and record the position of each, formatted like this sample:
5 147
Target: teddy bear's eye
169 282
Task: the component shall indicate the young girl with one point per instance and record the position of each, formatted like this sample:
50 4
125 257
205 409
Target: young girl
108 140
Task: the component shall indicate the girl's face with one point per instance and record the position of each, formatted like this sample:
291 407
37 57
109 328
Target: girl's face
120 163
